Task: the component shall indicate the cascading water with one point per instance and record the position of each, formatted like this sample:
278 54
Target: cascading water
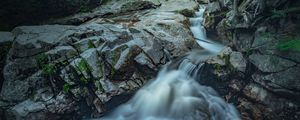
175 95
199 33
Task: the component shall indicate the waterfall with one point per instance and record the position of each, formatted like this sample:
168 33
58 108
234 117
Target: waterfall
175 94
199 33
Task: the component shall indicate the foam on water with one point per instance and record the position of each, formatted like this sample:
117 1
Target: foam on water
175 94
199 33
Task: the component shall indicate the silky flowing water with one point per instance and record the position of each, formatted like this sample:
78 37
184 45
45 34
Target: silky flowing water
175 94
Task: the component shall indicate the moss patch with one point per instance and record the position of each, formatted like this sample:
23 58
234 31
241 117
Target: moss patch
83 65
289 45
49 69
217 67
66 87
115 55
41 59
91 44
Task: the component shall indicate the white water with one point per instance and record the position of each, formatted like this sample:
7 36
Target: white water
174 95
198 31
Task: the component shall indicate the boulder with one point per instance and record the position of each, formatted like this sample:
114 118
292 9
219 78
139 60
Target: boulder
270 63
260 74
18 84
284 82
33 40
213 7
238 61
72 72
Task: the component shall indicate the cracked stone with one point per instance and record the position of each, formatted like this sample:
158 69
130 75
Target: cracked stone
270 63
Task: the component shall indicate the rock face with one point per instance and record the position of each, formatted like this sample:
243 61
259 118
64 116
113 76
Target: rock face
6 39
72 72
261 74
91 62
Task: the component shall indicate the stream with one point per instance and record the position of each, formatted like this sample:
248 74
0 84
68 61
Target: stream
175 94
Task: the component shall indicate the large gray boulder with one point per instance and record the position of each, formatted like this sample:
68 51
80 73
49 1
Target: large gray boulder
270 63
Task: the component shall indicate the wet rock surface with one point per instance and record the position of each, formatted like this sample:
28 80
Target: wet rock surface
74 72
260 72
91 62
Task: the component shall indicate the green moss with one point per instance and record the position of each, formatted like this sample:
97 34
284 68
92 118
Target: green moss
115 55
248 52
64 63
226 24
49 69
84 80
41 59
91 44
289 45
73 54
66 87
209 19
115 59
217 67
83 65
165 26
226 59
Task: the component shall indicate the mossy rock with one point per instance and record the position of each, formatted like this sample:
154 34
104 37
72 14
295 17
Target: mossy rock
289 45
116 53
137 5
187 12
